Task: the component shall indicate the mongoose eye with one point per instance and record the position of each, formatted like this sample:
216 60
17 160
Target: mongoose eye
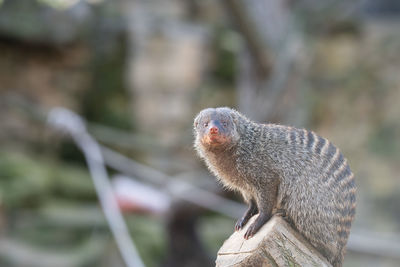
206 124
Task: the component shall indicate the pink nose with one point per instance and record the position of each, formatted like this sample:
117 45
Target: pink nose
213 130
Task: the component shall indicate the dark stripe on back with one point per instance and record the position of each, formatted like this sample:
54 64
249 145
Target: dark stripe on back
352 212
349 194
343 234
327 158
320 144
335 165
350 182
343 174
346 223
331 151
352 198
310 140
301 137
293 137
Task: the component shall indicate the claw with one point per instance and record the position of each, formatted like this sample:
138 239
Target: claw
256 225
250 232
239 225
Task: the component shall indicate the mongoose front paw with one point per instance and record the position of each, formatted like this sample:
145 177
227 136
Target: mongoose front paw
256 225
240 223
250 231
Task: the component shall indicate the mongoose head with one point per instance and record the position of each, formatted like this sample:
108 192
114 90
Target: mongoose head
215 129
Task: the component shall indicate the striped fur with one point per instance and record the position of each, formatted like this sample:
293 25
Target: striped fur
284 168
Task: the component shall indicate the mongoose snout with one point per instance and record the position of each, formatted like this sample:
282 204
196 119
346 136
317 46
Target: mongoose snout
214 130
214 127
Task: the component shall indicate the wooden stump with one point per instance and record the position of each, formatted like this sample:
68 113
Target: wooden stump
275 244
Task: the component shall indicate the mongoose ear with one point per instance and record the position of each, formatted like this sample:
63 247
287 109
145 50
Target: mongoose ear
196 121
234 117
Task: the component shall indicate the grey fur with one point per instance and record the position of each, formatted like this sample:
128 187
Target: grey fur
281 169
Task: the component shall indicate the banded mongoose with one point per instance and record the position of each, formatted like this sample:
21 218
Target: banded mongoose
281 170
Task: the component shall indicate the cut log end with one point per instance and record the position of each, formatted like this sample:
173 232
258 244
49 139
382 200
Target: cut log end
275 244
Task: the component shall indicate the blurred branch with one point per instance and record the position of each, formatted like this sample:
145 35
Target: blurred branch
283 72
175 187
255 45
122 138
270 35
65 120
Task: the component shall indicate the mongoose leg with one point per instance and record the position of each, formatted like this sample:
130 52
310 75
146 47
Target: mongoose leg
252 210
262 218
265 204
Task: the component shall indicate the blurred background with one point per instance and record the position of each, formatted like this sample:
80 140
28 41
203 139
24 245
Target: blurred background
139 71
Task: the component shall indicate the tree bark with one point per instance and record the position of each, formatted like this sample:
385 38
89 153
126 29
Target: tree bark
276 244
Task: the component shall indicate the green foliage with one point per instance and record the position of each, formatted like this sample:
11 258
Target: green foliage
107 101
226 44
59 4
148 234
214 230
25 180
22 181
